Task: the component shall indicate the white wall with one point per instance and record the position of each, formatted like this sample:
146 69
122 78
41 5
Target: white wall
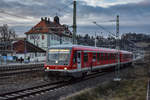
37 40
33 56
49 40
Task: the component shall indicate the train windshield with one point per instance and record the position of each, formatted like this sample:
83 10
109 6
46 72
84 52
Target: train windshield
58 56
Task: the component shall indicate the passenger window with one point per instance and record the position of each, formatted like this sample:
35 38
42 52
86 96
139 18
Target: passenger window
105 56
108 56
101 56
94 57
98 56
85 58
113 56
79 57
75 57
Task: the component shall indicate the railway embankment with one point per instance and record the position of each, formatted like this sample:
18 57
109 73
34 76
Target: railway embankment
16 77
133 85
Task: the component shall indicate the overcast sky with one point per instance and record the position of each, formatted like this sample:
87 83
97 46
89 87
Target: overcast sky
24 14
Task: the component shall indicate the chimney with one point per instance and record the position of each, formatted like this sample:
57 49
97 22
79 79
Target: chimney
42 19
56 19
48 19
45 18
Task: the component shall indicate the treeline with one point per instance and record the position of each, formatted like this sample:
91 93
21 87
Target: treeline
100 40
136 37
127 40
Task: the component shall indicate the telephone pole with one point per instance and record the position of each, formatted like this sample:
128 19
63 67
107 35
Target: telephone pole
74 22
95 39
117 68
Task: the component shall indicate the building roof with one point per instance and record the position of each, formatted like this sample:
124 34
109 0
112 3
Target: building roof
47 26
22 46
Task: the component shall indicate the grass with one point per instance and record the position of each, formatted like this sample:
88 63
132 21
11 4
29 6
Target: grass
133 86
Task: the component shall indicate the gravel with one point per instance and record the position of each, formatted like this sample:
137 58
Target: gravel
60 93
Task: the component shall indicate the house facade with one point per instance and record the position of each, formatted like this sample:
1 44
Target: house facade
47 33
6 48
24 49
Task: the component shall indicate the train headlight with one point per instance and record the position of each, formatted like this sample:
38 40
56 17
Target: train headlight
56 61
65 68
47 68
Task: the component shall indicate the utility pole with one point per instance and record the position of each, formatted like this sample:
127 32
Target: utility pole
95 39
117 68
25 49
74 22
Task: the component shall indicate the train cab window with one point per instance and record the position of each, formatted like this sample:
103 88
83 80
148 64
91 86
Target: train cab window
85 58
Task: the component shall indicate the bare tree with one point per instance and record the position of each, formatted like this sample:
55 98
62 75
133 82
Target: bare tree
7 34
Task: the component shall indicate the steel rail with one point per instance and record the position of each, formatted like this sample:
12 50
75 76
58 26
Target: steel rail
43 88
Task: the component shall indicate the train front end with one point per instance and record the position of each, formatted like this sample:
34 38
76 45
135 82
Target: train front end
58 61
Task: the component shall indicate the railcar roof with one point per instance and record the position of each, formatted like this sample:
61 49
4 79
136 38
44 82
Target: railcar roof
88 47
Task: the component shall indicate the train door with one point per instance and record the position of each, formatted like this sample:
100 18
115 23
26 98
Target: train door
79 60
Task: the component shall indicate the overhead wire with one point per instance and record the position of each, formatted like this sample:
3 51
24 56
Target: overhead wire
60 10
11 14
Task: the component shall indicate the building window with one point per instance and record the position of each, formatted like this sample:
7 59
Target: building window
57 38
43 37
52 37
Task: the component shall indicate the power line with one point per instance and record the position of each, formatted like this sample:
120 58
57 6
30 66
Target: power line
10 14
104 29
64 8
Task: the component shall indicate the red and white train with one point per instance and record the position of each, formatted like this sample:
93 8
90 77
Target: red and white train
77 60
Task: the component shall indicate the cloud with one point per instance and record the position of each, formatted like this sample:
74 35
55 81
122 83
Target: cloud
26 13
108 3
131 15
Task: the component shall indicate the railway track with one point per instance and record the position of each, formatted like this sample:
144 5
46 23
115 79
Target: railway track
7 71
39 90
148 91
19 67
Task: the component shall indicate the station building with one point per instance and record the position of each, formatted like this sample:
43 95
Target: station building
47 33
24 49
21 49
